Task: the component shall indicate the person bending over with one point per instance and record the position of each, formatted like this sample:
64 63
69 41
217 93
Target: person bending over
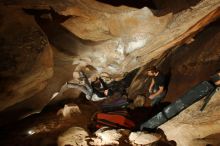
94 91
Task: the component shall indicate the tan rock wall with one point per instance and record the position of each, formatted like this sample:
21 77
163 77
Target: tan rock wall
26 57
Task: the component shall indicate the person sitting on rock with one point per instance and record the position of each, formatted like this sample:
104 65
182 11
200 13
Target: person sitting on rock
158 87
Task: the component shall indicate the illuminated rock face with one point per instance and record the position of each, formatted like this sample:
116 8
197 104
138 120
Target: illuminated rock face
121 39
26 57
128 38
193 127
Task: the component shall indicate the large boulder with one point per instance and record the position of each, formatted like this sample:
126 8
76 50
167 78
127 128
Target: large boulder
26 61
193 127
74 136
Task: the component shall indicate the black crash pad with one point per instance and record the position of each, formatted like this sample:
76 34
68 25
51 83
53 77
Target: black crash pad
196 93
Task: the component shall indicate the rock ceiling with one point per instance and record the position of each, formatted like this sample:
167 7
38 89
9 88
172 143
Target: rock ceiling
125 38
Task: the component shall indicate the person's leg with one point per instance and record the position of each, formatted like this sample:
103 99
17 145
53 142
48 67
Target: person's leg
99 94
87 83
81 88
97 98
158 99
88 86
67 86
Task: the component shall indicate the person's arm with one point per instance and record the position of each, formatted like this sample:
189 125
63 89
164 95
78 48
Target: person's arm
161 89
217 83
103 84
151 85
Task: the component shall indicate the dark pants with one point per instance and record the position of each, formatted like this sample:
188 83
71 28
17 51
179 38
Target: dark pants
157 99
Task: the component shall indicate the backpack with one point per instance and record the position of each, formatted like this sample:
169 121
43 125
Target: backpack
116 119
117 104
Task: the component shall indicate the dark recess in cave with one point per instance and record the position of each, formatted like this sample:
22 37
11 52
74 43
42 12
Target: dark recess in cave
131 3
183 63
56 17
167 6
58 35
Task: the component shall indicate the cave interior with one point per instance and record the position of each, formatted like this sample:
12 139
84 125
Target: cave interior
45 43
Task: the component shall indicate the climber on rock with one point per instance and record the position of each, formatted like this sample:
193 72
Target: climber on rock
94 91
158 86
100 88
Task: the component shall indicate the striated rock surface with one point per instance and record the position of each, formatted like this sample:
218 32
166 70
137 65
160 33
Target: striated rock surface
120 39
193 127
26 61
133 35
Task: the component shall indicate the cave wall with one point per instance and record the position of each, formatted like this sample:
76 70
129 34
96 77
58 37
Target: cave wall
195 62
186 65
26 57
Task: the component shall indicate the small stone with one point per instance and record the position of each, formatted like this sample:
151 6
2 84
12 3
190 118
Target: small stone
69 110
104 136
143 138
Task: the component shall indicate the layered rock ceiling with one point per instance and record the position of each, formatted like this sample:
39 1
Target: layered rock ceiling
125 38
